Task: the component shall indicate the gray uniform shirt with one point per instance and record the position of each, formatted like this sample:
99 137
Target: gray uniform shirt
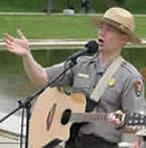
124 92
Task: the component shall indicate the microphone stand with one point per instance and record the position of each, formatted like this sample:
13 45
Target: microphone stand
26 104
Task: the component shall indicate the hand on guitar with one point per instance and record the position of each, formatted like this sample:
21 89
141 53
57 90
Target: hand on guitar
128 123
113 119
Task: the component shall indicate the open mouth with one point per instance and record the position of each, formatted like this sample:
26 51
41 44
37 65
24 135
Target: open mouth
100 42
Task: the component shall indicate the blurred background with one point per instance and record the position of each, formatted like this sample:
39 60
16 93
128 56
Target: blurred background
58 5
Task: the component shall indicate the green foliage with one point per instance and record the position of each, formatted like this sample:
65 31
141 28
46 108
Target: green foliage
120 2
58 5
22 5
135 6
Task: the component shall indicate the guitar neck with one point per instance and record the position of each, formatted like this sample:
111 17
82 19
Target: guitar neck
87 117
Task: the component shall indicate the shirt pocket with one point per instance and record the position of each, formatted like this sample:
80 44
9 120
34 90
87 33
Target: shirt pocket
112 96
81 82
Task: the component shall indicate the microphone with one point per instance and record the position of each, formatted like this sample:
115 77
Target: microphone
90 47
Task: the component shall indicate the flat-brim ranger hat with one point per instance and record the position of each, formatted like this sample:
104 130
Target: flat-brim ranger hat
121 19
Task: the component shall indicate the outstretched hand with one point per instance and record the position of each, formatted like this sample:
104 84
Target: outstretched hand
19 46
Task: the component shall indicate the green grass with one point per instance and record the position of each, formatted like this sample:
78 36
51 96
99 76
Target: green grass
48 26
60 27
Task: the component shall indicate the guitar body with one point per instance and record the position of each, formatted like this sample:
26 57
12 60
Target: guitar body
53 113
46 120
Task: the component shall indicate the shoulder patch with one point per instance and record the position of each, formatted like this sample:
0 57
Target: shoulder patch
138 87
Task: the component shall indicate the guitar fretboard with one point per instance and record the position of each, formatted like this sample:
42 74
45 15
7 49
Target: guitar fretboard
86 117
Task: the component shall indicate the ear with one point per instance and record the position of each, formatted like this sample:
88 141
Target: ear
124 38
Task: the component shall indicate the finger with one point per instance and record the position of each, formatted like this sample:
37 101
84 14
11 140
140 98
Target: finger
9 37
113 121
119 112
7 41
110 116
9 47
20 34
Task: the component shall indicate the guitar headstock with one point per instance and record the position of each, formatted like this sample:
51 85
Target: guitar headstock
135 119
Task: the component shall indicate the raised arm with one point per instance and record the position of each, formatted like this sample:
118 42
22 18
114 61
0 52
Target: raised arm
20 47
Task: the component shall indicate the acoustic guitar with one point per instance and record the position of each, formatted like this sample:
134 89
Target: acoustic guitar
54 112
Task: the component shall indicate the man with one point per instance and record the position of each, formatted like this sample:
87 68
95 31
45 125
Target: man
124 90
85 4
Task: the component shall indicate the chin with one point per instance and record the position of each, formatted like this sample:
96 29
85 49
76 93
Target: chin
100 49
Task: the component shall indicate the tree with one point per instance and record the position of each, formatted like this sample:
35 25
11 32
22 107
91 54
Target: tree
111 3
107 4
120 2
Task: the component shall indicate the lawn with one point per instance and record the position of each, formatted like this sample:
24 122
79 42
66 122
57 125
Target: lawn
65 27
60 27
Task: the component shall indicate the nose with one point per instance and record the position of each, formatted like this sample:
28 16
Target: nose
101 32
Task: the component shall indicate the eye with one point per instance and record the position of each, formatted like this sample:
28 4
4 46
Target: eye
110 29
100 26
106 27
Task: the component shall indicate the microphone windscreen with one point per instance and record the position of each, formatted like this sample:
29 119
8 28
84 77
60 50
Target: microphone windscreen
92 46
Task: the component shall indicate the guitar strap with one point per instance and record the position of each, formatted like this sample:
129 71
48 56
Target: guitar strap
101 85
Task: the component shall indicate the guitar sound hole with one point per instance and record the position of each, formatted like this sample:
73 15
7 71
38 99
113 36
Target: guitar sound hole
66 116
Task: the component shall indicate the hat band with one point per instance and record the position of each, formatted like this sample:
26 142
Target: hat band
116 23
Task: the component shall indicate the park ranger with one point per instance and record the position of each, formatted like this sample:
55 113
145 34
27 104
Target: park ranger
109 82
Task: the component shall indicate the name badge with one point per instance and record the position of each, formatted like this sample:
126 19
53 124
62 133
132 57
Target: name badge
83 75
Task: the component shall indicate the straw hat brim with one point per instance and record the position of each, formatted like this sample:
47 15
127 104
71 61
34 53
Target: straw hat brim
132 37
